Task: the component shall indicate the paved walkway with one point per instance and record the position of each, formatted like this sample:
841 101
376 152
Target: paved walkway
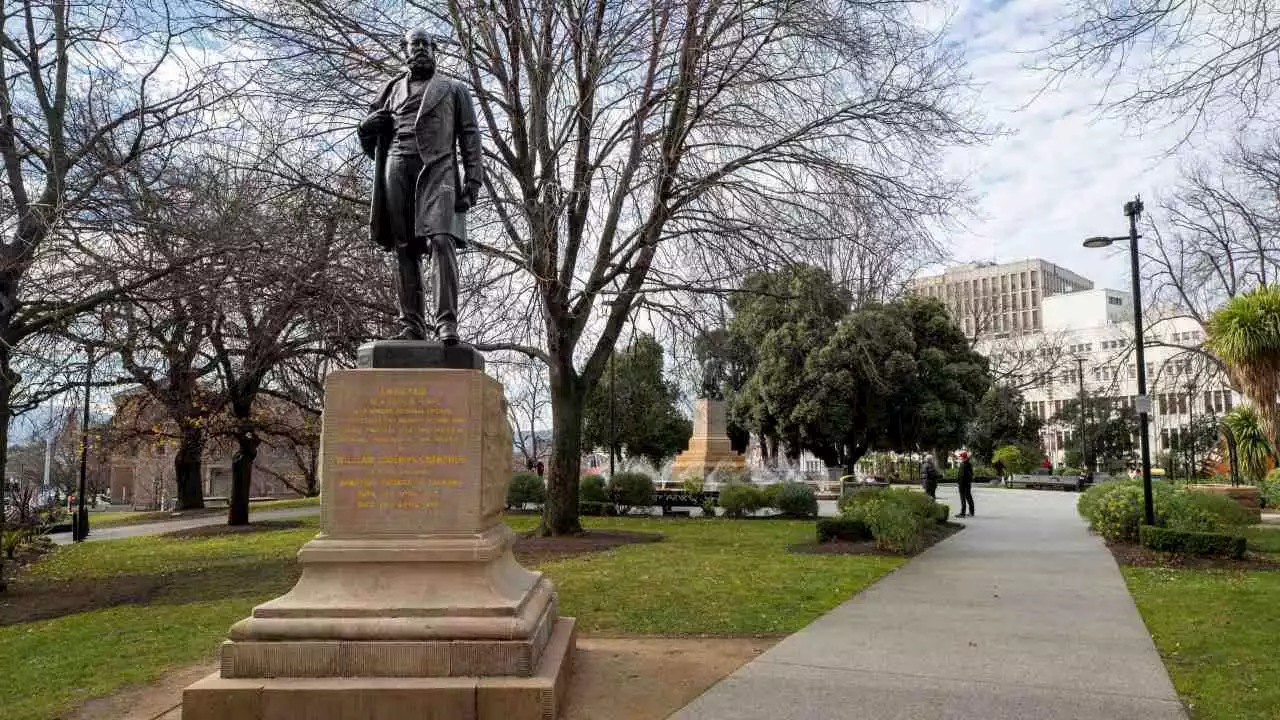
167 526
1021 615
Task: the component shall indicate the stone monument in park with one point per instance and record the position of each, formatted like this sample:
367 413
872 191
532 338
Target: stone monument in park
410 603
709 447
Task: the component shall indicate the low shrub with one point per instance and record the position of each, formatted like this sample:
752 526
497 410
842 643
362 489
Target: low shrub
591 489
921 505
741 500
525 489
894 518
853 499
893 524
631 490
1114 509
709 507
1269 489
1205 512
1188 542
843 528
769 495
941 513
796 500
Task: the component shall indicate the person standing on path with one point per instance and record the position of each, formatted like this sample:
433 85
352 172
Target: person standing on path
929 475
966 486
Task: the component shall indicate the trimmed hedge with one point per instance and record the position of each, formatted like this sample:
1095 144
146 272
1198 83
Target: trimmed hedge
796 500
525 488
941 512
631 490
1188 542
591 489
842 528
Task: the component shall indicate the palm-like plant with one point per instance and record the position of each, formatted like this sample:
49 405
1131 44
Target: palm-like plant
1245 333
1253 449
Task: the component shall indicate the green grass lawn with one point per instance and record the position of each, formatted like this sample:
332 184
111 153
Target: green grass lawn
1218 632
1263 538
135 517
707 576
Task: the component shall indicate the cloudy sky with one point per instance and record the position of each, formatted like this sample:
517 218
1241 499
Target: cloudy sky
1065 169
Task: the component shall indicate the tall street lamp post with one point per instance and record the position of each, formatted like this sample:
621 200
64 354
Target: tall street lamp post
1133 209
82 513
1080 376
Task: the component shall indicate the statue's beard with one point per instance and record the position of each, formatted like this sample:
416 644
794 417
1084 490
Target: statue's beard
421 65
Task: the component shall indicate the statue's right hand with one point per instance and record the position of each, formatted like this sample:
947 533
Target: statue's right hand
377 123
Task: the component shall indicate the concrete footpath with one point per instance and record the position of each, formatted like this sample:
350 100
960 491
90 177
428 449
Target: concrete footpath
166 526
1021 615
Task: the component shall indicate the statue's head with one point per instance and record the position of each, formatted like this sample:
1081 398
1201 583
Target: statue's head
419 49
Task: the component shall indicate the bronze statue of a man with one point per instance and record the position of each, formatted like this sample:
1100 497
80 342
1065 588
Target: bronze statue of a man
419 198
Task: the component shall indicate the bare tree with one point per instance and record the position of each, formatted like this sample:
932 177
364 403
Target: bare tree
1169 59
1219 236
528 404
1023 361
82 98
291 293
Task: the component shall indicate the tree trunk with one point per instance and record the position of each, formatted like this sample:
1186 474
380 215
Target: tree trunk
560 513
7 382
187 466
242 477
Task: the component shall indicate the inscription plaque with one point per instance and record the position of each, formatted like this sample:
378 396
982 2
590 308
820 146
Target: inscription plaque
400 456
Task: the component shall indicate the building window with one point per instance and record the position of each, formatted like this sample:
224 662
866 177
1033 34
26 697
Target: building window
1114 300
1035 282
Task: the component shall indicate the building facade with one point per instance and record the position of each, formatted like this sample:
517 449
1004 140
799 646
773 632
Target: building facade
142 449
1088 341
999 300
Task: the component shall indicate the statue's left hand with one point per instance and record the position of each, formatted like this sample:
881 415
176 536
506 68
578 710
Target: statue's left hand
467 199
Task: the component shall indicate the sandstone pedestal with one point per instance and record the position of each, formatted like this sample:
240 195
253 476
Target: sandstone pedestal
410 603
709 447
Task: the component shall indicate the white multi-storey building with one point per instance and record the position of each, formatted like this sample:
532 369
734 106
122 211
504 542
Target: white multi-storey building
997 301
1092 330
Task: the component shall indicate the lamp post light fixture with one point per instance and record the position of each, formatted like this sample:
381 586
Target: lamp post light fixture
1133 209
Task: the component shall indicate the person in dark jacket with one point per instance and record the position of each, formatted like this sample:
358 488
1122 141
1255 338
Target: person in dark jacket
966 486
929 476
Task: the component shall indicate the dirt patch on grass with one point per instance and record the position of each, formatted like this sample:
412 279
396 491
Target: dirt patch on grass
215 530
531 549
617 678
932 536
1138 556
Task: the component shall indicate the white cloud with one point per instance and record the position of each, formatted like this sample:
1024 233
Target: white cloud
1064 170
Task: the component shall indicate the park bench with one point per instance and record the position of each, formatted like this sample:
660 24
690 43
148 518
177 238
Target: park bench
668 499
1036 481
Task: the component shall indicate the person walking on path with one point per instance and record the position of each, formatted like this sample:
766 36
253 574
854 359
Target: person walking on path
966 486
929 474
999 468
